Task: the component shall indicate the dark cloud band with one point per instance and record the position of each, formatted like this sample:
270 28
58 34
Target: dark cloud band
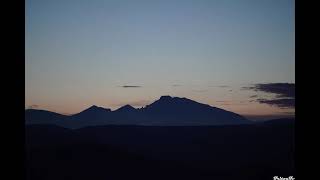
282 103
285 94
127 86
282 90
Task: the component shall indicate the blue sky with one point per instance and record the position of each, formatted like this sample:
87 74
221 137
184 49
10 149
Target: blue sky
80 52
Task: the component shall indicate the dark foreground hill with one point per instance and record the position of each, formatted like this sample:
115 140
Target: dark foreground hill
167 111
242 152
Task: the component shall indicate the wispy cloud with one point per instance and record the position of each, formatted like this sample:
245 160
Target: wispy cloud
284 94
231 103
282 90
282 103
221 86
131 86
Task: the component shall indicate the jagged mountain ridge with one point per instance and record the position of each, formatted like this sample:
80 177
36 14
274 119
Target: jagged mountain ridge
167 111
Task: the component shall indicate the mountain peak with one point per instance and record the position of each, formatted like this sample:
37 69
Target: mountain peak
126 108
167 97
174 99
95 108
168 102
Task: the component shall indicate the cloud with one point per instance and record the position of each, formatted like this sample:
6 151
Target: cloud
282 103
222 86
237 103
176 85
130 86
284 94
282 90
254 96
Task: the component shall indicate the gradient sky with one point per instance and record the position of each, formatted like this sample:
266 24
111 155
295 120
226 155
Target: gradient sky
83 52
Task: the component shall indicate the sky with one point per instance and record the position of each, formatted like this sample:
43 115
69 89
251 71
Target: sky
116 52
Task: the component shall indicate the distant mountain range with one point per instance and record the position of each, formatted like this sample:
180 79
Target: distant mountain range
167 111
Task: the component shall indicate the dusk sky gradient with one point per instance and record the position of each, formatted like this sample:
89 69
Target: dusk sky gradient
116 52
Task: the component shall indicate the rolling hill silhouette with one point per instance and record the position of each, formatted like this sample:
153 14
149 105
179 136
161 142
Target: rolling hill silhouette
167 111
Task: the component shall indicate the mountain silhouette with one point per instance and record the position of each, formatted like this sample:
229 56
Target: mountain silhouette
93 113
126 109
166 111
183 111
94 110
34 116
